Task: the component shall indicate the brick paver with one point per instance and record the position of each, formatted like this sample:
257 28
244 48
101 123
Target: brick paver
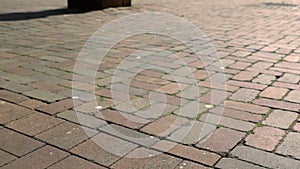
265 138
281 119
263 158
16 143
290 146
34 123
256 125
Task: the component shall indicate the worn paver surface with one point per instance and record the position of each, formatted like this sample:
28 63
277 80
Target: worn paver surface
241 110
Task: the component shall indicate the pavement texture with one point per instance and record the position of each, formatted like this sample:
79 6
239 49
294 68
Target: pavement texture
237 107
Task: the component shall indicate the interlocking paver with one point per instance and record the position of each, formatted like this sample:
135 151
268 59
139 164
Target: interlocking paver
230 163
290 146
277 104
297 127
82 119
237 114
281 119
16 143
165 125
12 112
41 158
158 161
247 107
123 119
34 123
130 135
73 162
192 133
245 95
57 107
191 165
102 147
264 158
32 104
6 158
12 97
245 76
290 78
227 122
264 79
293 96
66 135
44 95
220 142
249 85
274 92
265 138
191 153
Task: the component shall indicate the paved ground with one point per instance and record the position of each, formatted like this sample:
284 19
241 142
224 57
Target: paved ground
258 44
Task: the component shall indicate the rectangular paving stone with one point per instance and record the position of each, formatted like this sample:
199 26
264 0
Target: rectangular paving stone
246 107
227 122
50 87
41 158
221 141
82 119
245 76
297 126
32 103
263 158
245 95
230 163
34 123
130 135
274 92
104 149
265 79
12 97
14 86
277 104
281 119
73 162
249 85
146 158
123 119
265 138
66 135
191 165
191 153
16 143
6 158
165 125
237 114
192 133
191 110
57 107
10 112
293 96
44 95
17 78
289 78
290 145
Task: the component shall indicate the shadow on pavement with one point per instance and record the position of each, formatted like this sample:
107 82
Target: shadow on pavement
38 14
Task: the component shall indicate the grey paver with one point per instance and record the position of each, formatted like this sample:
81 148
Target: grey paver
264 158
82 119
290 145
44 95
281 119
230 163
245 95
